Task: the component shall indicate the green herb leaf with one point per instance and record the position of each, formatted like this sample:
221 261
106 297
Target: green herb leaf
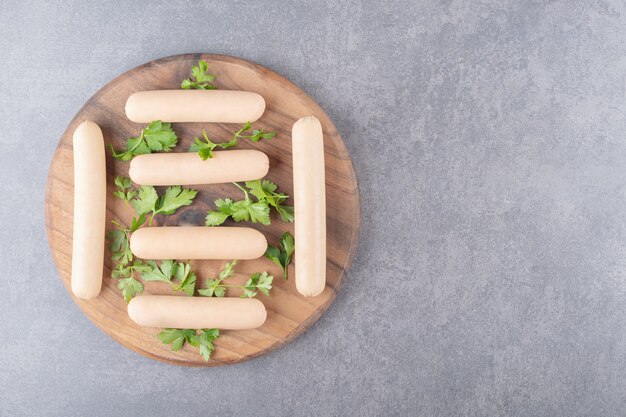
265 191
282 257
228 271
256 136
286 213
148 200
204 149
246 210
156 137
202 79
137 222
214 287
259 281
130 287
186 278
163 273
119 241
289 244
204 342
242 210
125 190
215 218
160 136
119 246
176 337
174 198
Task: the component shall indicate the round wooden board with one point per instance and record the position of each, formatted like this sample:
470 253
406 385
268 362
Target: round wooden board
289 314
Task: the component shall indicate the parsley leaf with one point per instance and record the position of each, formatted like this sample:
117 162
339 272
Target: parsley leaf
214 287
125 274
204 342
282 257
174 198
137 222
121 254
243 210
130 287
202 78
176 337
259 281
186 277
148 200
156 137
257 134
266 191
119 240
247 209
215 218
119 246
125 271
204 149
163 272
125 190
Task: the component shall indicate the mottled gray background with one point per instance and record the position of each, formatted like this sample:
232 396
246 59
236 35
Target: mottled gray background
489 139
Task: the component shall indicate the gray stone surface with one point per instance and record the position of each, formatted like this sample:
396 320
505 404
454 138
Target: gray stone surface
489 142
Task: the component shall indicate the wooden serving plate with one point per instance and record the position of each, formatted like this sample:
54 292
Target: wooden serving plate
289 314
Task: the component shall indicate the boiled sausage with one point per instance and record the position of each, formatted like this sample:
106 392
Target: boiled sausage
189 168
219 106
192 242
309 195
89 210
180 312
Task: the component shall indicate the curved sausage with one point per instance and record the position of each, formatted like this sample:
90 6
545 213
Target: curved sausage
179 312
219 106
191 242
89 210
188 168
309 194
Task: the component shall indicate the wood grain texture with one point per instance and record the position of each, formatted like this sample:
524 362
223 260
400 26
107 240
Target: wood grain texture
289 314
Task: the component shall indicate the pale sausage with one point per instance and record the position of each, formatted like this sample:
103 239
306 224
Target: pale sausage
180 312
191 242
188 168
89 210
309 193
219 106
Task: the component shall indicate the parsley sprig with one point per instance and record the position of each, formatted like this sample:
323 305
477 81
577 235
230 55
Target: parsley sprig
201 78
214 287
265 190
282 257
156 137
259 281
148 200
248 209
205 147
168 270
202 339
125 190
125 265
